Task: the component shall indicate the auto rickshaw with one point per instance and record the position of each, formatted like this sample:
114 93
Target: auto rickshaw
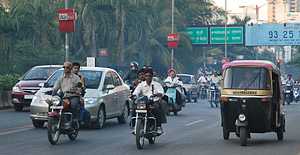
251 99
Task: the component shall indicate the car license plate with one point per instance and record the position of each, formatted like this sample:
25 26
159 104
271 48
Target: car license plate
57 107
288 91
141 111
28 96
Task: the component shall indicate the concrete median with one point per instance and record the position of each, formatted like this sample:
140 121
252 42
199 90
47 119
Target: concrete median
5 100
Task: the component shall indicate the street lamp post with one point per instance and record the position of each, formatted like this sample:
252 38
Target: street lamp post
172 51
66 37
225 28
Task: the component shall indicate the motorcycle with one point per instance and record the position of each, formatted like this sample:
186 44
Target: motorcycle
131 85
60 118
144 122
203 92
296 93
172 105
214 95
288 94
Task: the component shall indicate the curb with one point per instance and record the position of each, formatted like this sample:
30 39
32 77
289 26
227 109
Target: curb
5 100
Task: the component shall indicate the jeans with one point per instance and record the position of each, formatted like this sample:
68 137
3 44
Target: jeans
74 106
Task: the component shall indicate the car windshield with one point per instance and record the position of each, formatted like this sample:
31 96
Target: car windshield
39 73
91 78
186 79
247 78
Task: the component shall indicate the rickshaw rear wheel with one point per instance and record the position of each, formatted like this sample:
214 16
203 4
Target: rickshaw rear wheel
225 134
243 136
280 131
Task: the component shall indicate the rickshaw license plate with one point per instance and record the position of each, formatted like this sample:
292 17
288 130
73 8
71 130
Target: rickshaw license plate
141 111
57 107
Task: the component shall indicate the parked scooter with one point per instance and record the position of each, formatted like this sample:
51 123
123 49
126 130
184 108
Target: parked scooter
214 95
288 94
296 93
144 123
171 93
60 118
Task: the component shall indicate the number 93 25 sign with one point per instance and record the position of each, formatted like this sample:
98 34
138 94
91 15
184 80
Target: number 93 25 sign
273 34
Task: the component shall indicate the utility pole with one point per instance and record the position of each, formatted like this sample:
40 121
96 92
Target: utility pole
225 28
66 37
172 51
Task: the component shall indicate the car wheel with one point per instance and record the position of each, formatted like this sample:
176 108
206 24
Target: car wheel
38 124
86 119
189 97
195 100
123 118
18 107
99 123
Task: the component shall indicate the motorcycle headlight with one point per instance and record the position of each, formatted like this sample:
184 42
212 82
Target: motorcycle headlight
141 106
212 87
90 100
16 89
242 117
55 100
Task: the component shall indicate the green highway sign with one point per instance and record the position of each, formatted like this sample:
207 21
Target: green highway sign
199 35
234 35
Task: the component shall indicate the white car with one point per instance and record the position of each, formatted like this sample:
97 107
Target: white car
191 86
106 97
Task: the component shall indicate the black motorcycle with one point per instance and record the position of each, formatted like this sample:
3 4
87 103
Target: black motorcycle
60 119
203 91
144 122
214 95
288 96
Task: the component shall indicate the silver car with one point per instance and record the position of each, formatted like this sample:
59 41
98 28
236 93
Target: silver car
106 97
191 86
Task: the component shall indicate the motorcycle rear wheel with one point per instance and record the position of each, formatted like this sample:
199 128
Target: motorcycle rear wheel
139 136
73 135
53 132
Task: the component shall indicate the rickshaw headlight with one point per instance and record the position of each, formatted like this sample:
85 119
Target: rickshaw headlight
242 117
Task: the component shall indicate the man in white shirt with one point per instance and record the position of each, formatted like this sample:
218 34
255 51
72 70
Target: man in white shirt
203 79
148 88
215 78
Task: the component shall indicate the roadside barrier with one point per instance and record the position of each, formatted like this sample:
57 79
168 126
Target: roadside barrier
5 100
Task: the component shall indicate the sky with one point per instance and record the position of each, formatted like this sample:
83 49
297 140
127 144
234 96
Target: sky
233 6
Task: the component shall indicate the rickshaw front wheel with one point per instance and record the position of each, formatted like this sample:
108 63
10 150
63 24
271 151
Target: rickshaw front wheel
243 136
225 134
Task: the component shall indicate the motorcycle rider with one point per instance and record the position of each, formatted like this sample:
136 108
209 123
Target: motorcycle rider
141 77
174 79
203 79
154 73
133 73
214 79
289 81
148 88
75 70
70 82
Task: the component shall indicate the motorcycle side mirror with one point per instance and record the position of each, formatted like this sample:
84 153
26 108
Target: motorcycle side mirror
46 84
60 94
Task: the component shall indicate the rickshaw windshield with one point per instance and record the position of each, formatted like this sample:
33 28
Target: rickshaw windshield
247 78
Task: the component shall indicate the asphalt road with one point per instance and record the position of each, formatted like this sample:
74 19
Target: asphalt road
195 130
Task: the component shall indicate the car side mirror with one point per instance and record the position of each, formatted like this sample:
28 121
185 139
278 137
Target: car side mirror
110 87
19 79
46 84
41 84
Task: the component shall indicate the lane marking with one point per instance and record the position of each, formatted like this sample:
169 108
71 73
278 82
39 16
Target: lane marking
9 110
15 129
201 120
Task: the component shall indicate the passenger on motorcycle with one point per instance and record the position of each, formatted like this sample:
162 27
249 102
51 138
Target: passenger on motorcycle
141 77
69 82
148 88
75 70
174 79
133 73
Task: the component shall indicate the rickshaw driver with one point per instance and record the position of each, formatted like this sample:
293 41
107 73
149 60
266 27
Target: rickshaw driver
249 81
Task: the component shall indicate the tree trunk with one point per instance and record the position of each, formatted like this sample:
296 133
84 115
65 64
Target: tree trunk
94 48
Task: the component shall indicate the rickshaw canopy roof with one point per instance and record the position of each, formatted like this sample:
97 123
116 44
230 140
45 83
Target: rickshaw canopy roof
260 63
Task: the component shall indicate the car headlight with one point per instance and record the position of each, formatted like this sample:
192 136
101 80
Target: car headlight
90 100
242 117
55 100
141 106
16 89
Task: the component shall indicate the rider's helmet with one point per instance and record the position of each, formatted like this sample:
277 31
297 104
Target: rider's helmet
170 70
135 65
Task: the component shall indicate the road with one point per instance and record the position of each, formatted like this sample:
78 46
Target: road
195 130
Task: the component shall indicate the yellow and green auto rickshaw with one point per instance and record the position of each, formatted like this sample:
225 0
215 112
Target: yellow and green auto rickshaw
251 100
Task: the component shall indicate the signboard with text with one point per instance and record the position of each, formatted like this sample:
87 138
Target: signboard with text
199 35
273 34
234 35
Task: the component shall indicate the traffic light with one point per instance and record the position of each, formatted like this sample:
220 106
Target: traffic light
278 63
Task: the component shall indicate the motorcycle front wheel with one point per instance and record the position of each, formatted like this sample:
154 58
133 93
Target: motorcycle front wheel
53 132
139 136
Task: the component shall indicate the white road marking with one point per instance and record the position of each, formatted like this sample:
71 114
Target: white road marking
5 133
201 120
